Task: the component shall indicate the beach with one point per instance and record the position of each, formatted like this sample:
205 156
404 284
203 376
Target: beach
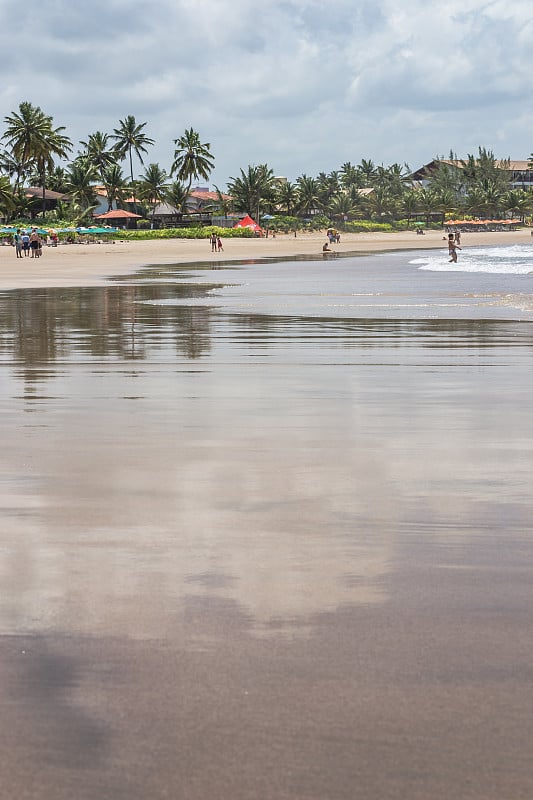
90 265
265 520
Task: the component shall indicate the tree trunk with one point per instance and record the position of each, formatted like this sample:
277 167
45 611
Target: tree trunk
43 178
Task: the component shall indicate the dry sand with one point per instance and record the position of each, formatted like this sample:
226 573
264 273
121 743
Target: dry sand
90 265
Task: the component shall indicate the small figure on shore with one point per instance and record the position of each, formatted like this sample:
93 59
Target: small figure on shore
18 243
452 248
458 238
326 248
34 243
219 245
213 240
26 243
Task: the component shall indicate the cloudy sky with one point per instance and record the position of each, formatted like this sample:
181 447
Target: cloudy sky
303 85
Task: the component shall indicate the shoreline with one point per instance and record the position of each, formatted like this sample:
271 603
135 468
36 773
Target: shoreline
78 265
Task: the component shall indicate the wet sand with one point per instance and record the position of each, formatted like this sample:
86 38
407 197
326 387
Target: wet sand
258 540
90 265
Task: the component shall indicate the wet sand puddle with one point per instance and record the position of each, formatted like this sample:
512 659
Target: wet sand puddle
265 532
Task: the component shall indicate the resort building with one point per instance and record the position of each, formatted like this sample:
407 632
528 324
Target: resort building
520 173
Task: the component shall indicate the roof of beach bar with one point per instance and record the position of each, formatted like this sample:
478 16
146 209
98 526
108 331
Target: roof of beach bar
118 213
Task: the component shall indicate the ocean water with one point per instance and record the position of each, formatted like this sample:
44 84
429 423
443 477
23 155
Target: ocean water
499 260
265 531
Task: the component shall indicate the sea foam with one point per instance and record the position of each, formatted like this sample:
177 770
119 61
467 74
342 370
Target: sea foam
510 259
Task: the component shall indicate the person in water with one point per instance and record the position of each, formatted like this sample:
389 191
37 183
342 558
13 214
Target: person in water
453 247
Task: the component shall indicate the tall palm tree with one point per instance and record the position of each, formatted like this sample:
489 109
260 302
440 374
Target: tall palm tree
367 171
24 133
192 158
129 137
31 136
349 176
252 188
99 152
153 186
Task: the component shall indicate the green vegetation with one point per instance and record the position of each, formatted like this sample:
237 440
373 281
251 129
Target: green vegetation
355 197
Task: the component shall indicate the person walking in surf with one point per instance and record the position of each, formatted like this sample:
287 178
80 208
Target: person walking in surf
453 247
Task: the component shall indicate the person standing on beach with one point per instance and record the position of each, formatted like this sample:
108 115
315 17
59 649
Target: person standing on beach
220 249
34 243
26 243
213 240
453 247
18 243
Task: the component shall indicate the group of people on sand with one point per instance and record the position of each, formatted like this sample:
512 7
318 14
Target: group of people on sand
28 243
216 243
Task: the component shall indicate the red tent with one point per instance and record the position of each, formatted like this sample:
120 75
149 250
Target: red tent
248 222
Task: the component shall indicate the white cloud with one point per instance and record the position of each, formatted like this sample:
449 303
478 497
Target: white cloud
301 84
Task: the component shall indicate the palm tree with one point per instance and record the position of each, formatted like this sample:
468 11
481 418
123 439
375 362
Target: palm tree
445 201
252 188
24 205
308 194
485 167
383 202
223 203
57 179
31 137
341 207
24 133
328 187
287 196
13 167
177 195
349 176
473 201
7 199
99 152
153 186
428 202
367 171
192 158
410 203
80 185
519 202
116 186
129 137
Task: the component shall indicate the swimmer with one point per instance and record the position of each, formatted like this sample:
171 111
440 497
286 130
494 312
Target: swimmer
453 247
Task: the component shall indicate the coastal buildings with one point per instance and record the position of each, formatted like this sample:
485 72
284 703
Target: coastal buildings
519 172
